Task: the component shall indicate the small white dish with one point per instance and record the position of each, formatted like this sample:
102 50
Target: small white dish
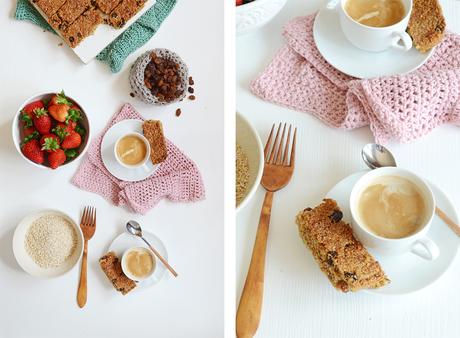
408 273
26 262
126 241
253 15
108 155
124 263
147 153
249 140
342 55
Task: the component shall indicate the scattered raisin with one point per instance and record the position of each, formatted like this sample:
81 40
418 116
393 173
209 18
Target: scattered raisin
192 97
132 94
336 216
178 112
190 81
191 90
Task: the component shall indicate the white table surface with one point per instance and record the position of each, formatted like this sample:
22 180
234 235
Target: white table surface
189 306
299 301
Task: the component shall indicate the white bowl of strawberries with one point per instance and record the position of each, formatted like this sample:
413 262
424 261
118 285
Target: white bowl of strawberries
51 130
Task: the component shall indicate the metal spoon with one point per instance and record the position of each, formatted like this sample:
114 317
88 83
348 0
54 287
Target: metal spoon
135 229
377 156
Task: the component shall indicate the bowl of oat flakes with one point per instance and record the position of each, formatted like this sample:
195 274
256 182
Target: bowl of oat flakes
249 161
47 243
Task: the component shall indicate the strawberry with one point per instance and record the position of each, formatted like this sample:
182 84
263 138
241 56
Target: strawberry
62 130
72 141
29 109
33 152
49 142
73 117
56 158
59 112
28 131
26 120
32 136
59 99
42 121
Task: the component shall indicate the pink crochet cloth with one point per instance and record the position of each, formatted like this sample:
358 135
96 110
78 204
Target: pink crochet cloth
177 179
399 108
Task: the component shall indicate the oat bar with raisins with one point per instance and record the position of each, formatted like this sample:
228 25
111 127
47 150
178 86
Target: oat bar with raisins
125 11
345 261
84 26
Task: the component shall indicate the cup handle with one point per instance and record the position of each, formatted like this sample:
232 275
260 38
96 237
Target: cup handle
426 249
332 4
401 41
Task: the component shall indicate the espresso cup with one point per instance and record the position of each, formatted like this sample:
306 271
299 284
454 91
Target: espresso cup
141 162
417 242
374 39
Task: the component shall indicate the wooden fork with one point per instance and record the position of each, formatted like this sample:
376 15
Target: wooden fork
278 171
88 227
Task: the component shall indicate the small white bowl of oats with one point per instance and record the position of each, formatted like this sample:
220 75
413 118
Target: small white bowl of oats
249 161
47 243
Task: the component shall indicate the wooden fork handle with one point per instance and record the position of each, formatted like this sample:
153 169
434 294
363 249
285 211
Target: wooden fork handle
250 307
452 225
82 287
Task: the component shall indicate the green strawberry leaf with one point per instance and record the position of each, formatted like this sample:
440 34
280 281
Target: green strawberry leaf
50 144
73 115
39 112
81 130
71 154
27 120
35 135
62 99
61 132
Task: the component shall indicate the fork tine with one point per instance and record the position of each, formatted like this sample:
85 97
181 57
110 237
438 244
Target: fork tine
280 147
267 145
83 216
94 220
275 143
292 161
286 148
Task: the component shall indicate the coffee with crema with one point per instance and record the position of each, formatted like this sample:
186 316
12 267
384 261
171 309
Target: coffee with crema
392 207
376 13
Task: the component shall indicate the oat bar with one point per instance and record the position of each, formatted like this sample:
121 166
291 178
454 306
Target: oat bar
49 7
427 24
106 6
153 131
84 26
111 265
344 260
125 11
72 9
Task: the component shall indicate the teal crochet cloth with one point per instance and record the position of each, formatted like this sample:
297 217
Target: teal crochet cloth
130 40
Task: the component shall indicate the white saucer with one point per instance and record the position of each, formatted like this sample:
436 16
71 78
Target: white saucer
108 154
125 241
342 55
408 272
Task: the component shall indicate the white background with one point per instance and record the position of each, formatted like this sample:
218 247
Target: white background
299 301
190 306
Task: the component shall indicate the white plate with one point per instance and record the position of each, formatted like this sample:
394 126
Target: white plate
26 262
90 47
108 154
342 55
126 241
408 272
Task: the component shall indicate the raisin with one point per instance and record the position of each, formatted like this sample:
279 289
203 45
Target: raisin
351 275
336 216
330 257
308 209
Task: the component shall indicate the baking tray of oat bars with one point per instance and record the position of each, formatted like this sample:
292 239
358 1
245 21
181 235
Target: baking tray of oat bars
88 26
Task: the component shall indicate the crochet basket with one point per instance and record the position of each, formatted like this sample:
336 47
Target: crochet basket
136 77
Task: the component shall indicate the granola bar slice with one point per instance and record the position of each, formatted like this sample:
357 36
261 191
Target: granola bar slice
125 11
49 7
106 6
344 260
111 265
72 9
83 27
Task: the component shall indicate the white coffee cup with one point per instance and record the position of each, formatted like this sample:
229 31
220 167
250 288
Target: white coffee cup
374 39
147 154
417 243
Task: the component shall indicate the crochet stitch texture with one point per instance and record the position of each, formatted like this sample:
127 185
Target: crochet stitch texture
399 108
177 179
